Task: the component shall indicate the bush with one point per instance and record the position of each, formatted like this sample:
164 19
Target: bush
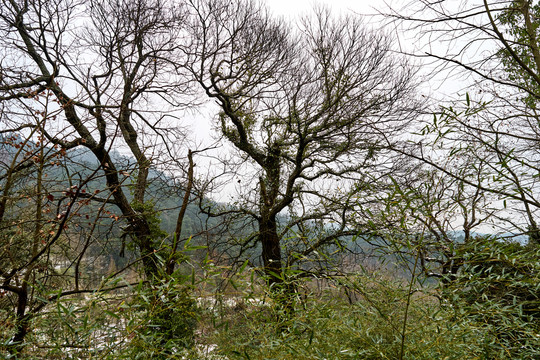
161 322
327 326
498 292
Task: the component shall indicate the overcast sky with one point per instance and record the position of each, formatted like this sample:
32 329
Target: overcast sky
371 9
294 7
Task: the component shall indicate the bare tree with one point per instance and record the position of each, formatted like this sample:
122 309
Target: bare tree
105 76
307 110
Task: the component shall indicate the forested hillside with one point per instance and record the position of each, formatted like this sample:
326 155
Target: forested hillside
368 188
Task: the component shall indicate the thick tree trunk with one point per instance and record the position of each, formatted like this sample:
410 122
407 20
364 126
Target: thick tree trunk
281 289
144 239
271 250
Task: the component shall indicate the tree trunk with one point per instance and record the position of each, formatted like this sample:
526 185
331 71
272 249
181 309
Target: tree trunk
139 227
21 323
282 289
143 236
271 250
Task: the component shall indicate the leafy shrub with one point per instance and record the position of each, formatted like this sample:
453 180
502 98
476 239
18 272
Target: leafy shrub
162 319
327 326
498 292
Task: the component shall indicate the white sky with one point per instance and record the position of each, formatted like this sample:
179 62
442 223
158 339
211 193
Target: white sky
294 7
286 7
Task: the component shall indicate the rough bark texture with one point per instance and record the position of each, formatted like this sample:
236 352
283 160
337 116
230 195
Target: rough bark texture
271 250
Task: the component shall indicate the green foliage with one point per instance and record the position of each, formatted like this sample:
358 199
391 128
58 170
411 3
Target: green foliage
356 317
498 292
154 320
489 312
152 216
520 20
161 320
